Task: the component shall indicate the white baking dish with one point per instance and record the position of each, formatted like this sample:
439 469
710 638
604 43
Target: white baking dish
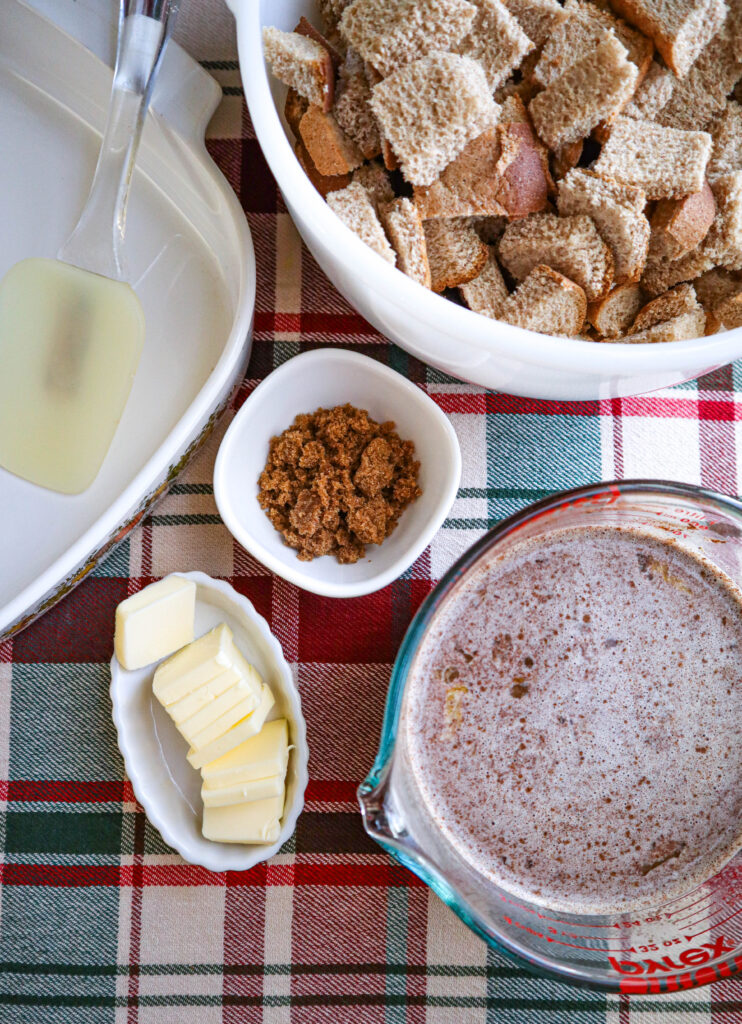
437 331
191 262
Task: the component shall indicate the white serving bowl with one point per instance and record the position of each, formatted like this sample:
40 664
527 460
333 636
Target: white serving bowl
154 752
435 330
325 378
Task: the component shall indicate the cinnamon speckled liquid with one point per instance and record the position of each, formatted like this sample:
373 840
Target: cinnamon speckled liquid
574 720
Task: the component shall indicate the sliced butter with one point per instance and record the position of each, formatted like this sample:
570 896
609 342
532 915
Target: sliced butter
243 792
255 822
206 694
213 659
247 687
155 622
217 726
259 757
238 733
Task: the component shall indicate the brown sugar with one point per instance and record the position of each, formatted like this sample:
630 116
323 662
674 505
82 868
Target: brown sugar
335 481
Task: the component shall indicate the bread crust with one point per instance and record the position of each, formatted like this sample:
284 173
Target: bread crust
331 150
673 303
680 225
500 173
681 46
614 314
322 182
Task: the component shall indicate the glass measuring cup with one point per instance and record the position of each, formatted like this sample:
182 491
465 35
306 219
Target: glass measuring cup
680 944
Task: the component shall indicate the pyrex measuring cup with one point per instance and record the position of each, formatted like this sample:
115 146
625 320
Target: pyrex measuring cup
680 944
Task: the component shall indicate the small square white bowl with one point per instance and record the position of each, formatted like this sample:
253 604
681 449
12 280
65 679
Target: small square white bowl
154 752
325 378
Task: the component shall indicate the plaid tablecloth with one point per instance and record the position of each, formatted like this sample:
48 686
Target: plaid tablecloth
99 920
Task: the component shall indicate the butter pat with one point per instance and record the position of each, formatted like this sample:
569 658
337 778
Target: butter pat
155 622
207 725
238 733
200 713
243 792
213 659
260 757
256 822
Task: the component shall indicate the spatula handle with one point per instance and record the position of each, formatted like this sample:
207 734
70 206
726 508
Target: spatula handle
96 243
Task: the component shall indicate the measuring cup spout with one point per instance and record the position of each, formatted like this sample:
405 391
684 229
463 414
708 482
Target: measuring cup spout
382 819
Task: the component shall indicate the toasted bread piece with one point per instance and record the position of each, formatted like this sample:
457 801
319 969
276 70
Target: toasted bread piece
615 313
569 245
722 246
713 287
294 110
514 112
699 97
652 94
723 243
679 28
592 90
618 213
666 162
539 19
392 33
375 180
679 300
680 328
321 182
726 132
301 63
356 210
331 12
565 158
546 301
305 28
404 229
327 144
489 229
727 315
354 115
487 291
680 225
455 252
584 27
661 273
734 25
387 153
720 293
430 109
496 40
500 173
691 106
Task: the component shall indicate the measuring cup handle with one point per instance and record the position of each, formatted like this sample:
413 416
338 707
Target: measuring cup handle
96 243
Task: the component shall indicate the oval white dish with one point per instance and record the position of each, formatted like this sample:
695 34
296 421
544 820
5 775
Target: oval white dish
435 330
329 377
154 752
191 262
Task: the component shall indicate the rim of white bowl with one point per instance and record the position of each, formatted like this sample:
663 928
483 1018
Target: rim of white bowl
241 531
551 351
254 854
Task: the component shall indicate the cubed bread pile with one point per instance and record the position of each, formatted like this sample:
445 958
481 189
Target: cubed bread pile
574 169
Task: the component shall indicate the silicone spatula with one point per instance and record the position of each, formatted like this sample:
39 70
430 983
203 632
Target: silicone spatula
72 328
